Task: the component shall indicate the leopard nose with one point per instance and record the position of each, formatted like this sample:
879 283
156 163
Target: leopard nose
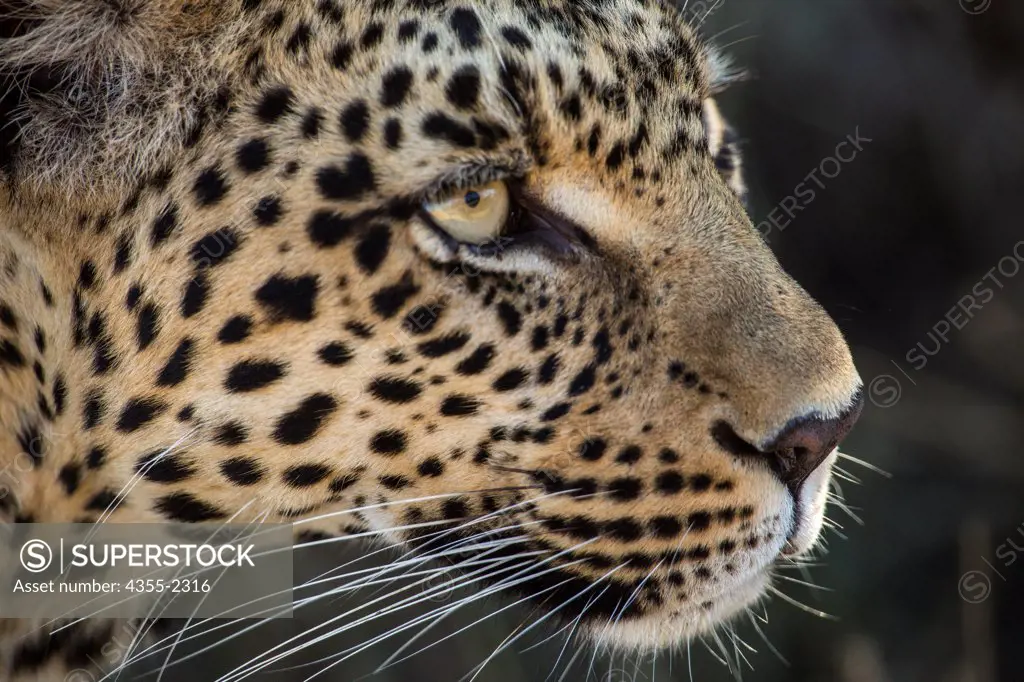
800 448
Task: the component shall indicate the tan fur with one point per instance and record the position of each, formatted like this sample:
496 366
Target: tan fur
682 315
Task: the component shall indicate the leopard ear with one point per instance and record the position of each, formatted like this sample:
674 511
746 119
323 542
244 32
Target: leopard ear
724 147
92 90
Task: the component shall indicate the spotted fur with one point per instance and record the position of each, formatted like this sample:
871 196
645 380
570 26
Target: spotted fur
210 237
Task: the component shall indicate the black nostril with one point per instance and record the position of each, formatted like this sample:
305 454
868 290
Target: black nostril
805 443
800 448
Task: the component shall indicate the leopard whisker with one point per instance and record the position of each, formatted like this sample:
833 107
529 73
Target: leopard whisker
504 645
771 647
241 669
867 465
406 603
803 607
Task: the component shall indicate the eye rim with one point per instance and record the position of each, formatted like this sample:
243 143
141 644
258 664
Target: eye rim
428 215
529 226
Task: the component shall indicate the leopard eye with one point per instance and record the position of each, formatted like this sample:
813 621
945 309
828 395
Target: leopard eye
473 216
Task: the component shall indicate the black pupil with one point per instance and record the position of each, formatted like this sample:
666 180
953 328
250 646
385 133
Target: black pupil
472 199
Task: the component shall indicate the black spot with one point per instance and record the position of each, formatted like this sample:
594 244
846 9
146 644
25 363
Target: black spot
148 325
342 55
274 104
164 225
70 475
512 379
305 475
583 381
197 291
594 140
96 457
699 521
231 434
252 375
669 482
516 38
372 36
459 406
624 530
592 449
668 456
186 413
430 42
443 345
700 483
342 483
360 329
187 508
161 467
123 252
422 319
393 133
93 410
267 211
431 467
454 509
540 338
210 187
289 298
624 489
253 156
556 412
131 299
177 367
299 39
394 482
572 108
328 228
138 412
464 87
510 318
355 120
348 183
548 370
442 127
372 248
467 27
389 300
60 393
87 275
311 123
335 354
8 318
104 501
629 455
407 30
242 470
615 157
389 442
397 84
395 389
476 363
602 346
235 330
215 247
302 423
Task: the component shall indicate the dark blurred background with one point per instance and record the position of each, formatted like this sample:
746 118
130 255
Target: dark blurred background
908 240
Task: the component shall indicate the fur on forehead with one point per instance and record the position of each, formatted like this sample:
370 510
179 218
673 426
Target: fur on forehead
100 92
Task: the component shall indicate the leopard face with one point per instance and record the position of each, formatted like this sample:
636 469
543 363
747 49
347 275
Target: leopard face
255 306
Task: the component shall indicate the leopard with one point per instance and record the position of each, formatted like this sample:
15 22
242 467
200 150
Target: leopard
371 267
